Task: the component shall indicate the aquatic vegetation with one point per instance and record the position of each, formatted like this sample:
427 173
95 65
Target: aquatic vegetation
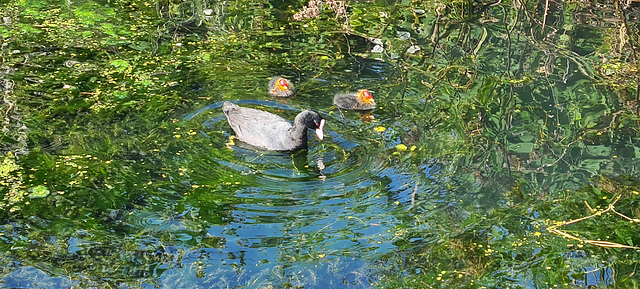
11 184
502 151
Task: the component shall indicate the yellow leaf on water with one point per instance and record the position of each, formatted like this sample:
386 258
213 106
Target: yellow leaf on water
379 128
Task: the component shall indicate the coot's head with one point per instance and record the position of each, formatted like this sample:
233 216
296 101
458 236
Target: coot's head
313 120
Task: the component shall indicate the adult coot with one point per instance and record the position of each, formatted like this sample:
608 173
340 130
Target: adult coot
280 86
269 131
360 100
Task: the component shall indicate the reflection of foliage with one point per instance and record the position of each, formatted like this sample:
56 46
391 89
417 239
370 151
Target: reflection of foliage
13 135
610 209
618 57
605 202
528 127
455 247
11 184
502 111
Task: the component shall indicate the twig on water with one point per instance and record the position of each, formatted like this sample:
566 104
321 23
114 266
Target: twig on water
605 244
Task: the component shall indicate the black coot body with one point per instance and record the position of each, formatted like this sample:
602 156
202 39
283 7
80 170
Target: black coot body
269 131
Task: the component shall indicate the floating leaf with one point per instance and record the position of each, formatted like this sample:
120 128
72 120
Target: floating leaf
521 148
39 192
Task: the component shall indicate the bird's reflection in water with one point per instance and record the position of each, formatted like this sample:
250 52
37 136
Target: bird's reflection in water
321 168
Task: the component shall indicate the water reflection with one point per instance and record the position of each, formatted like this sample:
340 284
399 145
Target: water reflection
189 210
24 277
305 217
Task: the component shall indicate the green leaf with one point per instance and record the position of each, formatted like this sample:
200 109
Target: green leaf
521 148
39 192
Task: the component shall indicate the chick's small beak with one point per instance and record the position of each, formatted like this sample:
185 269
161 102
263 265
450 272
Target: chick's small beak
366 96
283 84
319 131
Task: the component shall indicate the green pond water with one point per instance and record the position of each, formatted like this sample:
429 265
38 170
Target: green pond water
491 127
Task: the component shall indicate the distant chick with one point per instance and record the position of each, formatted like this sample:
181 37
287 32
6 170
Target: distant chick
281 87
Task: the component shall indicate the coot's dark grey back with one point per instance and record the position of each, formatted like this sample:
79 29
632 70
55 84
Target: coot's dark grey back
260 128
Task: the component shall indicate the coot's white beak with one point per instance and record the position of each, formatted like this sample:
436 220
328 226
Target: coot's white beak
319 132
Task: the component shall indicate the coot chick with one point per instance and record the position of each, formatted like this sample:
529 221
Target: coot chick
269 131
281 87
360 100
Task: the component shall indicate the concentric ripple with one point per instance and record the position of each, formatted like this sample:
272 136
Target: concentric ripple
336 165
274 207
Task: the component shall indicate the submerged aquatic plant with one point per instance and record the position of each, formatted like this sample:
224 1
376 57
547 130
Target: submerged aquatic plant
488 130
11 183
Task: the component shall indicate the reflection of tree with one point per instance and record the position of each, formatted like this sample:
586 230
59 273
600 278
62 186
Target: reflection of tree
490 125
